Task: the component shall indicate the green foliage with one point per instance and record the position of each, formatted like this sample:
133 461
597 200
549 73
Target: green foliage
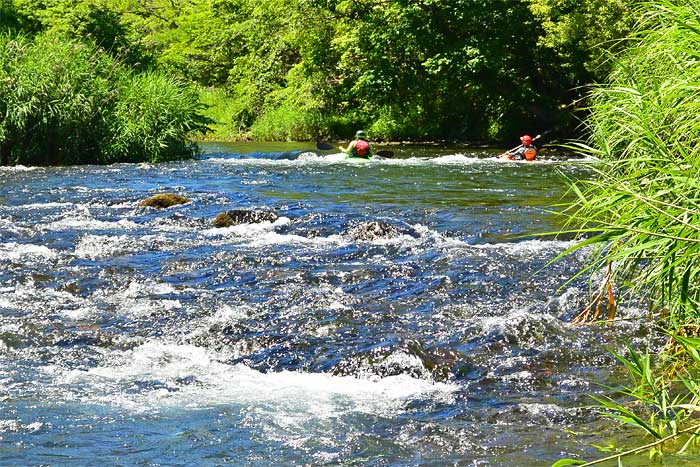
661 402
431 69
63 102
151 119
643 205
428 69
642 212
10 20
97 21
584 33
220 109
286 123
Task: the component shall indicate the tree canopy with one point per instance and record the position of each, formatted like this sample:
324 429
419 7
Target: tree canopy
415 69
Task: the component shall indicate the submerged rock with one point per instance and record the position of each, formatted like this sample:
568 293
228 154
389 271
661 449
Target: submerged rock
164 200
244 216
372 230
410 359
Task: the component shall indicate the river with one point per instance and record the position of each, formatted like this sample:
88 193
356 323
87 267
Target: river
134 336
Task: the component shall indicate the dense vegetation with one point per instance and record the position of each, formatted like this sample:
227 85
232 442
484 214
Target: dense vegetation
63 102
298 69
642 212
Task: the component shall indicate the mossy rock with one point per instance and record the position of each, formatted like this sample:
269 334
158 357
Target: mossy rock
244 216
164 200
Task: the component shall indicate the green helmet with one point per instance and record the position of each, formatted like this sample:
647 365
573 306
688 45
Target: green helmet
360 134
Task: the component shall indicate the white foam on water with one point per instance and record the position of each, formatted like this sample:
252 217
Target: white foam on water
527 248
146 308
186 376
93 246
82 219
518 376
551 413
248 230
255 182
9 225
50 205
263 234
314 157
527 327
79 314
230 314
440 239
17 168
40 301
457 159
13 327
139 289
137 299
16 426
574 382
273 238
16 252
101 246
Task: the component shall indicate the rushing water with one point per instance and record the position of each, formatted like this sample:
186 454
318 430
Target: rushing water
137 336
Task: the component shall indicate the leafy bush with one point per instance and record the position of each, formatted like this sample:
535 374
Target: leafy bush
286 123
63 102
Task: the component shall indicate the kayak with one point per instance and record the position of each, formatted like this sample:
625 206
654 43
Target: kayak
357 159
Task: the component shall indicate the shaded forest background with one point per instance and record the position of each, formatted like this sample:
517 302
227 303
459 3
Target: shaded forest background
467 70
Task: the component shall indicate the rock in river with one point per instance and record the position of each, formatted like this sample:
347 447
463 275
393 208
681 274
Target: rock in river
164 200
372 230
244 216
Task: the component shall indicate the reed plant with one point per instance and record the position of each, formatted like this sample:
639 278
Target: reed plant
63 102
643 206
151 119
642 212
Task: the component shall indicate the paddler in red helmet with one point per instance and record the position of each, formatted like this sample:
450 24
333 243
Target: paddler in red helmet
526 151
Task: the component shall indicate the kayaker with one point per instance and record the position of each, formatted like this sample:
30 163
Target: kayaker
526 151
359 147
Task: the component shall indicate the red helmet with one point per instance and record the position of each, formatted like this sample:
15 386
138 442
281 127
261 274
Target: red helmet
526 139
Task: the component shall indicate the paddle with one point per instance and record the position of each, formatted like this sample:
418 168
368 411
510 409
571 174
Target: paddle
324 146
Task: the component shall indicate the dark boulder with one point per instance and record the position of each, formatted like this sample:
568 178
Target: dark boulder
244 216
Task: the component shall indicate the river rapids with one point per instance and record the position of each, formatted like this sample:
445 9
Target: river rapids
401 312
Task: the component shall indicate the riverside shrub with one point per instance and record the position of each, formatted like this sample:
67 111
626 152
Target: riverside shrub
63 102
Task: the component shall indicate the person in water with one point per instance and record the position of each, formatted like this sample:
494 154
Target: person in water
526 151
359 147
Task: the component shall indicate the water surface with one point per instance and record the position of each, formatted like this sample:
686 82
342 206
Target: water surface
137 336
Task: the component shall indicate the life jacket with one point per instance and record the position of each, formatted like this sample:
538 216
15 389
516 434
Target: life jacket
530 153
361 148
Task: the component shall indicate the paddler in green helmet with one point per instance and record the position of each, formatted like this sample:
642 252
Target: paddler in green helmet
359 147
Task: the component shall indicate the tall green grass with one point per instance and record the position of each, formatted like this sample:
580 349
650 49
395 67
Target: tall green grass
643 207
63 102
642 211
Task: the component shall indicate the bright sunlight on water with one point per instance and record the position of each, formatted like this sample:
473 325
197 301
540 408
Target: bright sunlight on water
400 312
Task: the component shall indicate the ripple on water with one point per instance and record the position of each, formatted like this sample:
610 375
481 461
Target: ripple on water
387 316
